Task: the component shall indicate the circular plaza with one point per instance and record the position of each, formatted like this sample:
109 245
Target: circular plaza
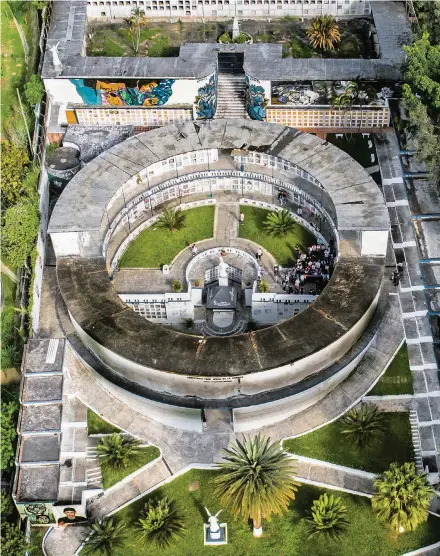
221 312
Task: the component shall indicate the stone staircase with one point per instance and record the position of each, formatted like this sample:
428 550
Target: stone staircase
413 421
94 477
231 96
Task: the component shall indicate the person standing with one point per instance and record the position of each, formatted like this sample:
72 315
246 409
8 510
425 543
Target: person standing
259 254
241 217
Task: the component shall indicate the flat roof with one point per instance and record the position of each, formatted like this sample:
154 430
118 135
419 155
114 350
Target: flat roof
44 448
42 388
195 61
38 483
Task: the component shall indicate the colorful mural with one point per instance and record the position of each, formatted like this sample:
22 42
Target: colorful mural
255 99
37 513
206 99
95 92
306 93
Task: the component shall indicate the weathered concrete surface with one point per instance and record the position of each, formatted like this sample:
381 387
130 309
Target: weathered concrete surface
65 541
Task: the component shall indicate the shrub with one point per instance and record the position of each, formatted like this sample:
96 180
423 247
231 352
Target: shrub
160 523
176 286
116 450
364 425
225 38
327 516
264 286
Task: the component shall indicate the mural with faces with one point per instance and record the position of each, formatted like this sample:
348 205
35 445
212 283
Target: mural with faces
130 92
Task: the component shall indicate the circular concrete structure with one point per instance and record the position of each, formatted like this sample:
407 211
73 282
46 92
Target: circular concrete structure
263 376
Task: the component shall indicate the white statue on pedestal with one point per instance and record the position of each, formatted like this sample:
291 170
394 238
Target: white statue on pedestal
235 28
222 273
55 57
214 526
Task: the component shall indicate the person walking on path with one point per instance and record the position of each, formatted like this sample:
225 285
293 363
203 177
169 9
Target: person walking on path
241 217
193 249
259 254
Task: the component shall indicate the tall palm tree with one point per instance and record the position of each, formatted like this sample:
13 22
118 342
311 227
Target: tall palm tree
327 516
256 480
135 22
279 224
160 523
116 450
324 32
105 537
403 497
365 425
171 219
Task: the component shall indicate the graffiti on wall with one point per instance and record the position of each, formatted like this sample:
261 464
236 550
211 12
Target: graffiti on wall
206 99
256 101
128 93
37 513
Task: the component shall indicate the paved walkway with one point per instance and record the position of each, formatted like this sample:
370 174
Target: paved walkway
227 217
65 541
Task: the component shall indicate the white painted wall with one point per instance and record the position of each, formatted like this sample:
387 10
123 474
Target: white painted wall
374 243
62 91
270 308
66 243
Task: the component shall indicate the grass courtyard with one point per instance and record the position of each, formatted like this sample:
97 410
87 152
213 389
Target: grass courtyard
162 38
97 425
328 444
112 476
397 378
281 248
282 536
157 246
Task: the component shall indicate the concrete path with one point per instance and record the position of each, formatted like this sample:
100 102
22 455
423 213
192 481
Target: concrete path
64 541
140 484
227 218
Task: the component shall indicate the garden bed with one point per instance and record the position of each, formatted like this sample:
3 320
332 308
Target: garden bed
397 379
112 476
161 38
155 246
281 248
285 535
328 444
97 425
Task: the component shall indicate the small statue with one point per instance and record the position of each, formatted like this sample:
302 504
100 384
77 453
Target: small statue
214 527
235 28
56 58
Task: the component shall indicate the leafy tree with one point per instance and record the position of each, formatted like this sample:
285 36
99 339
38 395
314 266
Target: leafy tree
364 425
135 22
171 219
34 89
105 537
20 229
403 497
324 32
327 516
9 413
160 523
279 224
7 505
13 540
256 480
116 450
14 162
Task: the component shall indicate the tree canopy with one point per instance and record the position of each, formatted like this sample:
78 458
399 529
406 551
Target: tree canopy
9 412
14 163
20 229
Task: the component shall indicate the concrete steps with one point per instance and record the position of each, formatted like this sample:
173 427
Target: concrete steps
93 473
231 96
414 424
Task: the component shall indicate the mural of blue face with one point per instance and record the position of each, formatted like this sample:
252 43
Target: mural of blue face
206 99
255 100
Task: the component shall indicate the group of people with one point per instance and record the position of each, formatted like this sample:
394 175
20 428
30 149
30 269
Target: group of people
317 262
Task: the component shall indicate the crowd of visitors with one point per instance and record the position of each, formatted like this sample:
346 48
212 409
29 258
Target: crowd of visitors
315 265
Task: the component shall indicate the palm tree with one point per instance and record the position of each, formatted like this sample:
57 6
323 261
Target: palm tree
171 219
364 425
324 32
256 480
136 21
327 516
160 523
402 498
279 224
105 537
116 450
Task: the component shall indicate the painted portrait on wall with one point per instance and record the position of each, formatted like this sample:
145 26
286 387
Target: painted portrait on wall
130 92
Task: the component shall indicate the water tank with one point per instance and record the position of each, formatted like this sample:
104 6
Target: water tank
61 166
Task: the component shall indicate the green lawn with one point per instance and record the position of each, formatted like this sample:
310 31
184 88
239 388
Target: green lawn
8 313
286 536
356 146
397 378
12 64
37 534
96 425
156 246
110 476
328 444
281 248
